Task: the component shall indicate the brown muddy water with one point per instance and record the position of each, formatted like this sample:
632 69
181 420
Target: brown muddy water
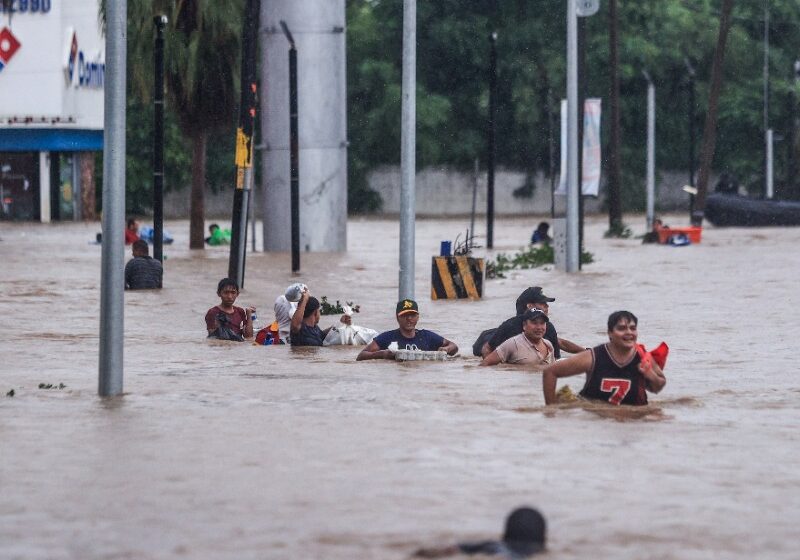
224 450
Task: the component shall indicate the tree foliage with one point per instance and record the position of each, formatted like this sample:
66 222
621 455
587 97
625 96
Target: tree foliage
452 82
202 55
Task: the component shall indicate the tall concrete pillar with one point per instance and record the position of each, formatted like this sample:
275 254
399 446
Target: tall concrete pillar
318 28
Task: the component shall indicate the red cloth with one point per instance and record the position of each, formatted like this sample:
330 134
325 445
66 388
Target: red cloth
659 354
236 319
130 236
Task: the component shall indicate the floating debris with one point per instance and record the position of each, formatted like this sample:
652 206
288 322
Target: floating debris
51 386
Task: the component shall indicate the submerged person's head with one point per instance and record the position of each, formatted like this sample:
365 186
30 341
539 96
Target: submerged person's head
140 248
526 531
212 228
312 310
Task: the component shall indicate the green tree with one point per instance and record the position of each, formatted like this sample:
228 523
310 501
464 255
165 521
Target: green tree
203 48
657 36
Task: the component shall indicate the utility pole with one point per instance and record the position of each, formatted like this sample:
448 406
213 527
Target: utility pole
769 188
573 192
244 143
791 191
408 143
160 22
112 279
492 148
691 115
651 151
294 150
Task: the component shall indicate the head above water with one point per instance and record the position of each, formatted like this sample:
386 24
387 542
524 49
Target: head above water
312 305
621 316
534 315
140 248
526 531
406 306
133 224
225 283
212 228
531 295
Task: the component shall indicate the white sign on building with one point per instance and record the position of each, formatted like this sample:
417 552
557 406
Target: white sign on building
52 73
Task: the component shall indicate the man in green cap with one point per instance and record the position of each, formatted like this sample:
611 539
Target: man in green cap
406 336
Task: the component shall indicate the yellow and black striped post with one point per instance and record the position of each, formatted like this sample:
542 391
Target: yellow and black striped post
457 278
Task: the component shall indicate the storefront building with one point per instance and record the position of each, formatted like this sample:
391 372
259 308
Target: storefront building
52 67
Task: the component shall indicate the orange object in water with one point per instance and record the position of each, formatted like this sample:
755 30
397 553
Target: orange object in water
268 335
691 232
658 354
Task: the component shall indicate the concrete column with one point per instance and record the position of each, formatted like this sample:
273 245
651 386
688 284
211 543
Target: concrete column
44 187
318 30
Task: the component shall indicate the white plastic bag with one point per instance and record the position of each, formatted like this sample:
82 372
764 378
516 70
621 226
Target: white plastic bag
363 335
350 335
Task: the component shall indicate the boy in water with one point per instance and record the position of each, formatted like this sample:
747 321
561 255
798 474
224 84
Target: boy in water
237 319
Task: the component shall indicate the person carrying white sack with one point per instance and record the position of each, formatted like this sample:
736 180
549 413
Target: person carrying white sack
285 306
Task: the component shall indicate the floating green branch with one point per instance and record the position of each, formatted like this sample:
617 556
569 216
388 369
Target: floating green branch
532 257
335 309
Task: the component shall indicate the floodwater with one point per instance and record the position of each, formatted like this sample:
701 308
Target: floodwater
224 450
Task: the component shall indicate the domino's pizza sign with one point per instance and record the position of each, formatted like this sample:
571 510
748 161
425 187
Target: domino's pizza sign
81 69
9 45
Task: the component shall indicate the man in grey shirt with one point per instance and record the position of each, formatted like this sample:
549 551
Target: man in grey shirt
142 272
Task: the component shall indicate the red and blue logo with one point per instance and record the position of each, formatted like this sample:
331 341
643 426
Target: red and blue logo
9 45
73 56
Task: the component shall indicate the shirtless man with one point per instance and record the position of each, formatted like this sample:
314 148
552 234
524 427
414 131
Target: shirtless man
529 347
614 371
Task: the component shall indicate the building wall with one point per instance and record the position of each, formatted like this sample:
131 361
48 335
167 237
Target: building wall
443 191
46 84
52 73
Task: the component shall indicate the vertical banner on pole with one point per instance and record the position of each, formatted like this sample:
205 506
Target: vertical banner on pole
590 182
591 164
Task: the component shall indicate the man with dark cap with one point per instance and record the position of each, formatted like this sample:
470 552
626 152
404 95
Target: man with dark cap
407 314
530 298
524 536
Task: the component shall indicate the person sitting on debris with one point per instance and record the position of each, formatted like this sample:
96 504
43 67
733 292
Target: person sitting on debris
540 234
525 535
142 272
652 235
529 347
407 314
